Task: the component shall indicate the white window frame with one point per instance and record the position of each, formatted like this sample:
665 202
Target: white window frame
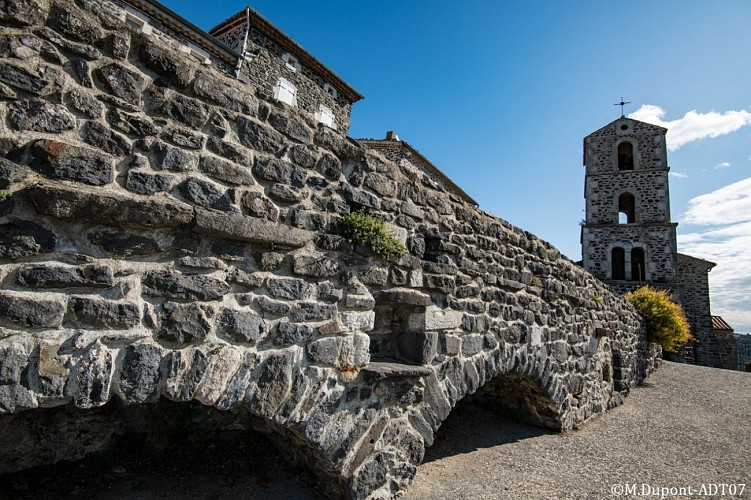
325 116
285 91
137 21
291 61
196 53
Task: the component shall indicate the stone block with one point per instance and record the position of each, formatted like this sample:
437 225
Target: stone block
342 352
471 344
441 283
131 124
186 110
232 152
74 23
184 323
225 94
92 377
139 373
242 326
108 209
357 321
313 311
206 194
293 333
21 238
56 276
559 350
40 116
124 244
31 311
222 366
441 319
105 139
273 380
315 265
225 171
166 62
88 312
21 78
175 285
121 82
64 161
183 138
276 170
452 344
147 183
403 296
258 137
244 228
288 288
291 127
24 12
417 347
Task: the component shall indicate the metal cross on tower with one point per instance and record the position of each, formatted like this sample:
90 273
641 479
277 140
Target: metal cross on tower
621 104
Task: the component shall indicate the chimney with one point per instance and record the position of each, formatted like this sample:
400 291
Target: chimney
391 136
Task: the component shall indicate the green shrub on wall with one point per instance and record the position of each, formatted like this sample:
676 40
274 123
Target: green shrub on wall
363 229
666 321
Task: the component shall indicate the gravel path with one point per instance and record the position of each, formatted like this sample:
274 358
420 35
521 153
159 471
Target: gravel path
687 427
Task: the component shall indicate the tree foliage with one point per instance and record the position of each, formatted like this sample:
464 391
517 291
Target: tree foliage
363 229
666 321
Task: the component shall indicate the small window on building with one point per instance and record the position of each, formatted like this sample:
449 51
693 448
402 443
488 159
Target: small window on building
625 156
291 61
285 92
637 265
618 264
626 209
326 116
132 20
330 90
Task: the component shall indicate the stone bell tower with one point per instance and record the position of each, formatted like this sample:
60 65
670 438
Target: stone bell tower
627 237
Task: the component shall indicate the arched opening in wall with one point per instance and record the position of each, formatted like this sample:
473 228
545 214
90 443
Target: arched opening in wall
626 209
507 409
618 264
638 272
625 156
153 448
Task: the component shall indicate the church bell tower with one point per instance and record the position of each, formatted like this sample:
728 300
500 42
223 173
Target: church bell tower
627 236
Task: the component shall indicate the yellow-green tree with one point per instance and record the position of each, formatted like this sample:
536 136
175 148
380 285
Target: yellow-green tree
666 321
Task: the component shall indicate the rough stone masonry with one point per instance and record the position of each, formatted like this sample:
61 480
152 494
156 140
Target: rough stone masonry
166 231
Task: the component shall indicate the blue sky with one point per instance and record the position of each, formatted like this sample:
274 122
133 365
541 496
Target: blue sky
499 95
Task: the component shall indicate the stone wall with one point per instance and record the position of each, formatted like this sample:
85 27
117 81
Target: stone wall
168 233
713 348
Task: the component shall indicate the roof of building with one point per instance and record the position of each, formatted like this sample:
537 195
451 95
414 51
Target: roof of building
720 324
696 260
402 146
186 29
283 40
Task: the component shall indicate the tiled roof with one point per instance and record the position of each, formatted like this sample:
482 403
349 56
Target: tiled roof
283 40
696 260
398 145
720 324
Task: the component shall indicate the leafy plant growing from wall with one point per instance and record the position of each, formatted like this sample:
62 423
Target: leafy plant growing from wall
363 229
666 321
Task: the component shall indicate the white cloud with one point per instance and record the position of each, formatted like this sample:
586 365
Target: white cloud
678 175
724 164
725 240
693 126
727 205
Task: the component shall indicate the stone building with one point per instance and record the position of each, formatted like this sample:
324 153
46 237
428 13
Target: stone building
277 67
628 238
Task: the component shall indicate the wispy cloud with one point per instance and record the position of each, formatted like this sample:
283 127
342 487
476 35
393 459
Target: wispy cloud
725 238
678 175
724 164
727 205
693 126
